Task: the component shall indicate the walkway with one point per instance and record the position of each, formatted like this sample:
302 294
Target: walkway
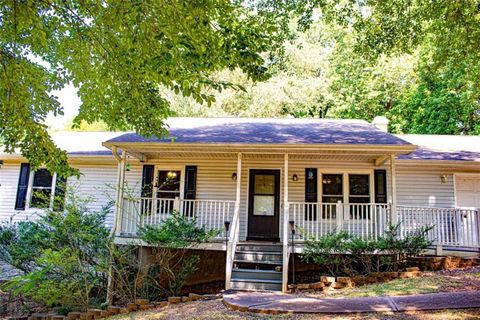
273 302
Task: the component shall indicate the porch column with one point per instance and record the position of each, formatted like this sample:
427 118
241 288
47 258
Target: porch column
285 226
393 182
234 227
118 213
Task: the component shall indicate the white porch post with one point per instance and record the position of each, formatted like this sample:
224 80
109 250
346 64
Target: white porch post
118 216
393 181
234 226
285 226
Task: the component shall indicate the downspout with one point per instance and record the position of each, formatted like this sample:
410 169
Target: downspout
113 231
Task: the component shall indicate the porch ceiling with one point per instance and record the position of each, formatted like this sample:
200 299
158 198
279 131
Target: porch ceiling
147 154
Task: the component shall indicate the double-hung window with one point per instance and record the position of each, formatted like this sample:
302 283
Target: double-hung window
332 193
353 189
359 196
39 189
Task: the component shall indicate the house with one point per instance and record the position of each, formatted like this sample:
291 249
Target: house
254 179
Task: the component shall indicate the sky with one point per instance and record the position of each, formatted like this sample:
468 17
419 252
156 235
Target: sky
70 102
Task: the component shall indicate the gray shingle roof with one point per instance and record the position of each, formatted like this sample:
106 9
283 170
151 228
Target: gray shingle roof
443 147
270 131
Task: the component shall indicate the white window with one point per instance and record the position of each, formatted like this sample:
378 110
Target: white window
352 188
41 192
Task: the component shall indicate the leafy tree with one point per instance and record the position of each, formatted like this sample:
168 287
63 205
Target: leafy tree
119 54
64 256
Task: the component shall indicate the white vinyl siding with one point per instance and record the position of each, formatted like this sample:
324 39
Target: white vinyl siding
9 174
424 188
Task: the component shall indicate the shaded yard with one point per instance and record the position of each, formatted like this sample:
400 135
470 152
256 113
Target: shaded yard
214 309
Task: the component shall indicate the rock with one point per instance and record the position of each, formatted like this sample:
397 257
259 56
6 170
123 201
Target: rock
132 307
95 312
160 304
317 285
327 280
18 318
174 300
58 317
409 274
104 314
144 307
141 302
303 286
337 285
186 299
391 274
412 269
344 279
73 315
195 297
113 309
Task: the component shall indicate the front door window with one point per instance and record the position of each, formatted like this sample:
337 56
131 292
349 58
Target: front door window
264 195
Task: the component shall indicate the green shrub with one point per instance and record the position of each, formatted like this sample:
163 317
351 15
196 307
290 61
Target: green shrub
168 264
64 256
347 254
327 250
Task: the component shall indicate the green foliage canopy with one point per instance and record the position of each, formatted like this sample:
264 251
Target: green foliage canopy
119 53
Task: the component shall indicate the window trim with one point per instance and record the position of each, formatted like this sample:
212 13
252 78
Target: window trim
346 181
30 192
165 167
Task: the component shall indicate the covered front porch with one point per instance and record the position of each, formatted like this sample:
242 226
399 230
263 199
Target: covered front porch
258 196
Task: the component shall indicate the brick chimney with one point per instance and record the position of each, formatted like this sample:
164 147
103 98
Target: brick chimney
381 122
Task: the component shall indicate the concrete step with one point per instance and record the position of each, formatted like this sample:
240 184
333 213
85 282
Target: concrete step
256 274
252 284
259 263
259 247
254 256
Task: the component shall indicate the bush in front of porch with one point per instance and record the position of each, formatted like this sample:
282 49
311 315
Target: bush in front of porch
345 254
162 268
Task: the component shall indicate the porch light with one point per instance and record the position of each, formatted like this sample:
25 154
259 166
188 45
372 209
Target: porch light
444 178
234 176
1 164
171 174
227 226
291 223
294 177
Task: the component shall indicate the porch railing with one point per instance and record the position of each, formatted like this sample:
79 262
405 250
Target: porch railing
451 226
140 212
366 220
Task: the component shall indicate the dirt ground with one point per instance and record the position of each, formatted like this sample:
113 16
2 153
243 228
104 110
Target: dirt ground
215 309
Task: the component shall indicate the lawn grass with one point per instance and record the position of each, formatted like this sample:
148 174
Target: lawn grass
420 285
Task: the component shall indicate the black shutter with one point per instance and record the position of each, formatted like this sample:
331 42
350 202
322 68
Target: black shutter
22 186
380 186
147 187
311 193
147 180
59 197
190 190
